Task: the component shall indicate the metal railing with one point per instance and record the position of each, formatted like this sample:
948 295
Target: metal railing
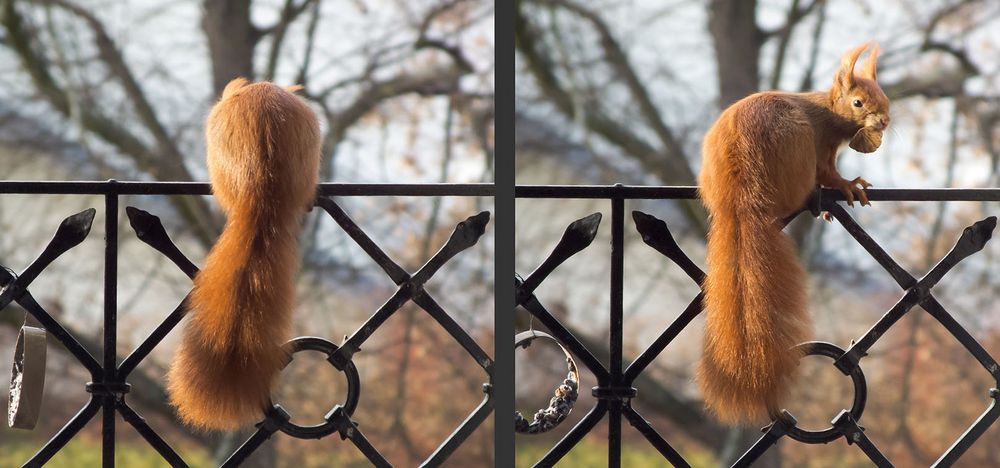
616 385
109 385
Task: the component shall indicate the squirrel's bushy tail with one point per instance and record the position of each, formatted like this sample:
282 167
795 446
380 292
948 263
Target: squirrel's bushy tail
230 354
263 153
755 299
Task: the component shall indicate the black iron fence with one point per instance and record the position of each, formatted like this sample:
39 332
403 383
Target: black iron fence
109 385
616 382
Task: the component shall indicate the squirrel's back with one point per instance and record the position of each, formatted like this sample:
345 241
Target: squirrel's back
750 139
263 147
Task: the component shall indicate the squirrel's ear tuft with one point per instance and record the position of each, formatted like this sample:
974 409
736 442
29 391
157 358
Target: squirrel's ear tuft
294 88
845 74
233 86
871 63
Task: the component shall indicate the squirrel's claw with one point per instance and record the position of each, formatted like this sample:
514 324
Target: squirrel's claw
850 188
859 185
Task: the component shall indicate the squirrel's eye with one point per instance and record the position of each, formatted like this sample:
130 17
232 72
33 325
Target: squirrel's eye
857 103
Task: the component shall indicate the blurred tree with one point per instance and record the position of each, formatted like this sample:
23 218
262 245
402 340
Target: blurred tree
426 58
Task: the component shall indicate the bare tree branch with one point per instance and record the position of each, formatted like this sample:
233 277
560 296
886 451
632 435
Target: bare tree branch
310 45
807 75
944 82
620 62
671 170
289 13
112 57
164 163
929 43
795 15
435 82
423 41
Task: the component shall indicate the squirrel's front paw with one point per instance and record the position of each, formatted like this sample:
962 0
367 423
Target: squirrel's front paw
854 187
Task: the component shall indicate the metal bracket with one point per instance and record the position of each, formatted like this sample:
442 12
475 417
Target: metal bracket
27 377
563 398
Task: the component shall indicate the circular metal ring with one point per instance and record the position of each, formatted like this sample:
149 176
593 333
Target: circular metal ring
830 434
27 378
564 397
312 343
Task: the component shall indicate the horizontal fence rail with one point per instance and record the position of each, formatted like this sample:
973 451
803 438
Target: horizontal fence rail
109 385
643 192
113 187
616 381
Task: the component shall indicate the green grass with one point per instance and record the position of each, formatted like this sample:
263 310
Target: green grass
589 453
84 450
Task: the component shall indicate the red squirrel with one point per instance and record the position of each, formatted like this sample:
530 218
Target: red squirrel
761 159
263 147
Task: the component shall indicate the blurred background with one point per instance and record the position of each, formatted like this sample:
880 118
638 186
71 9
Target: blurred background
92 90
623 91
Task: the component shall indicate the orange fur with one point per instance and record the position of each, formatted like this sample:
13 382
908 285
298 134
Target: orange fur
761 159
263 148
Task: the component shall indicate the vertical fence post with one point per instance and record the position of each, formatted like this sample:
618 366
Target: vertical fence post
617 301
110 321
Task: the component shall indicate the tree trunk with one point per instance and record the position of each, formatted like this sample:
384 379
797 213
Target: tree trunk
733 26
231 40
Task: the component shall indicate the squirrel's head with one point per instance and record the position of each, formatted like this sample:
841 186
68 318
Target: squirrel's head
857 96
